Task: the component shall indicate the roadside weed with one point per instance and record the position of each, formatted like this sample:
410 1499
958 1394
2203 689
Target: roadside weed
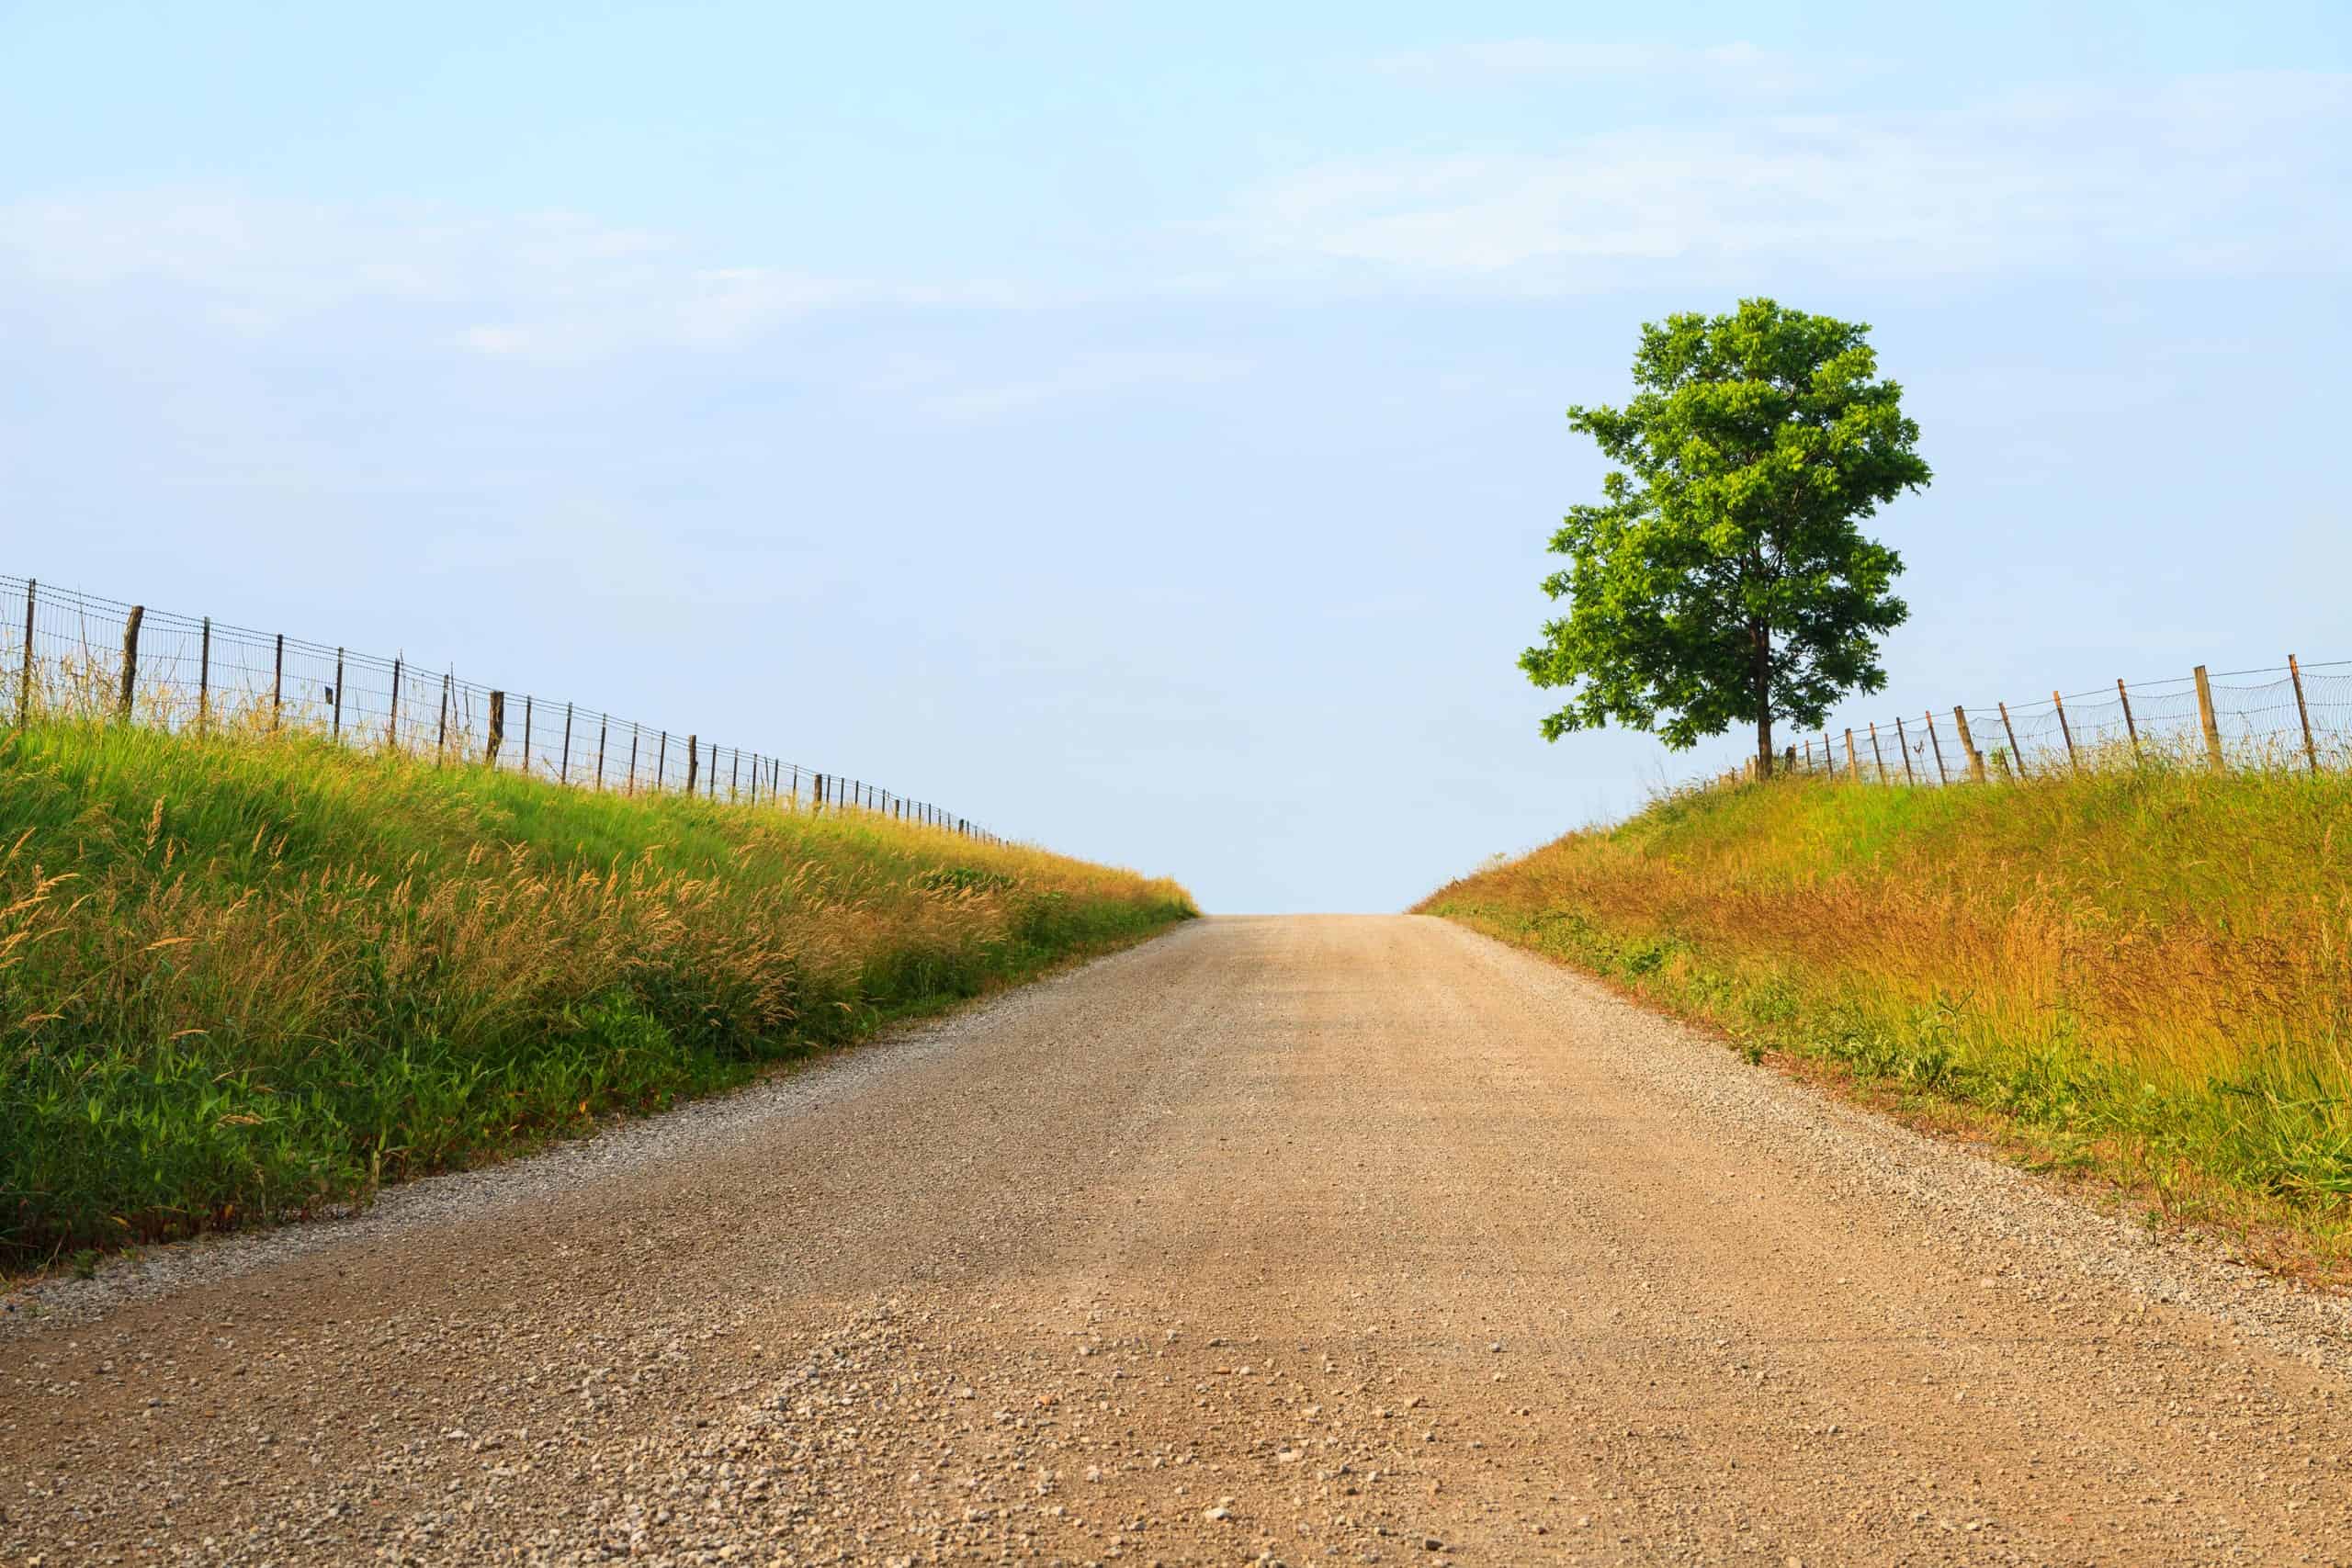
2148 970
250 976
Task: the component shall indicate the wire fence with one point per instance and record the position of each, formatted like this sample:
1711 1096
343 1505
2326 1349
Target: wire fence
81 656
2294 716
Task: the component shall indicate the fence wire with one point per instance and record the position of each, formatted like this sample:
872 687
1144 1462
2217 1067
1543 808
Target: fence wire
81 654
2296 715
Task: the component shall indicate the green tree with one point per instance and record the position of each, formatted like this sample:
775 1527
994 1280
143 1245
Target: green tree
1724 578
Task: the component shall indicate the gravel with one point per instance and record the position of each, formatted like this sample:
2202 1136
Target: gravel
1317 1238
2052 1238
695 1130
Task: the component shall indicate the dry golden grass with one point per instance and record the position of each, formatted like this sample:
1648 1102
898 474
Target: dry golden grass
250 975
2145 970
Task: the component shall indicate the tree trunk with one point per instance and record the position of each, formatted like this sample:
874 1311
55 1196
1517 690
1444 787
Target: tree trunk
1760 637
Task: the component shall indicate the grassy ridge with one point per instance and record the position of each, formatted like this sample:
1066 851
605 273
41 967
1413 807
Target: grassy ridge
2144 972
243 978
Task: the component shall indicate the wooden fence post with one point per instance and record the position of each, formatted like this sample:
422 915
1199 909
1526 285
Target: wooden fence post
392 724
337 693
662 763
1941 777
1853 764
278 686
604 722
130 661
528 716
204 681
2205 712
2129 728
2295 673
2017 758
1968 744
821 792
1903 744
631 790
25 675
563 766
734 775
497 725
2066 732
1876 755
710 788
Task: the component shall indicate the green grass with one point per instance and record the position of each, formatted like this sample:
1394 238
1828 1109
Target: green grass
243 978
2144 973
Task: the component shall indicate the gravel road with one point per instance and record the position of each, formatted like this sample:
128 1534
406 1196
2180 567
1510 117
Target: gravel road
1361 1239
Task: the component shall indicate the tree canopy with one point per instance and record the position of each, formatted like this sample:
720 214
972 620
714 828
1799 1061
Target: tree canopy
1724 577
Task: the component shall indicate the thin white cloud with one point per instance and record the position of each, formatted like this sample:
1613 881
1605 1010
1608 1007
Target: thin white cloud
2223 173
2237 174
552 286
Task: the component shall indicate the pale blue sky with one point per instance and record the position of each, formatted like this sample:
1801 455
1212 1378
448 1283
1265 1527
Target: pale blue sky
1141 429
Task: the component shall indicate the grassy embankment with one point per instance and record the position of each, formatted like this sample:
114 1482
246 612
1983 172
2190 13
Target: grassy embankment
246 977
2140 972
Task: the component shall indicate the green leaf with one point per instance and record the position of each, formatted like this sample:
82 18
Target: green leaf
1723 578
